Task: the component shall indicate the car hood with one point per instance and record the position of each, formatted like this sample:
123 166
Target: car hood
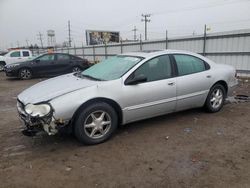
52 88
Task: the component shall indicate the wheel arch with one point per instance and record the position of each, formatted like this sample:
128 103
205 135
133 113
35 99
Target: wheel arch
32 73
3 62
223 83
111 102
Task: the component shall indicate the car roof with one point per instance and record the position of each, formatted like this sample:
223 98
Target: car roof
151 53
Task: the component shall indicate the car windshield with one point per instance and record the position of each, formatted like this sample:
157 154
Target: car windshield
111 68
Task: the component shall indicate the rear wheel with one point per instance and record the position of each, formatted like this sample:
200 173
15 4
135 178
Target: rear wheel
215 99
95 124
25 74
2 64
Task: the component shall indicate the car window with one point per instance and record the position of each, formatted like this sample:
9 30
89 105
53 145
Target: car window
187 64
63 57
112 68
15 54
156 69
26 54
75 58
48 57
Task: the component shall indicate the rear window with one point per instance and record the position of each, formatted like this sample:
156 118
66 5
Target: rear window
187 64
62 57
26 54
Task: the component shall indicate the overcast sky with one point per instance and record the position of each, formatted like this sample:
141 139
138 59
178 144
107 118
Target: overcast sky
21 20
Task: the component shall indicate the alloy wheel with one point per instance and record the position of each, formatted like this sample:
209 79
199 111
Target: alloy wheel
1 67
216 98
97 124
25 74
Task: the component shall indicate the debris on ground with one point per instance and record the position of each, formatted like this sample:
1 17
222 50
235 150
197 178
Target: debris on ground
243 98
167 137
219 132
238 99
195 120
187 130
68 168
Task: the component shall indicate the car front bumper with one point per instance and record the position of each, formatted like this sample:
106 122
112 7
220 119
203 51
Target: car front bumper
11 73
34 125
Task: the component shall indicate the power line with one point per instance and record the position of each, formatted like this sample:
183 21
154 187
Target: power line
201 7
146 20
135 30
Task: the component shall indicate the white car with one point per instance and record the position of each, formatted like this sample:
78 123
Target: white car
14 56
124 89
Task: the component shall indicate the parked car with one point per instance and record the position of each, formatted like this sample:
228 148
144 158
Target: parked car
47 65
14 56
124 89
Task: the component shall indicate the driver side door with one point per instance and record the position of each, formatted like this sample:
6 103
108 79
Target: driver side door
154 97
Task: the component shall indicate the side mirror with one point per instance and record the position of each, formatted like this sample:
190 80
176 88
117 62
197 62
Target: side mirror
136 80
37 60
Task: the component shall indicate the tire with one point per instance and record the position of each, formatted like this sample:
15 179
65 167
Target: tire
76 69
25 74
95 124
2 64
216 98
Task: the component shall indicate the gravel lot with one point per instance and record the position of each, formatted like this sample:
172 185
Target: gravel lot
185 149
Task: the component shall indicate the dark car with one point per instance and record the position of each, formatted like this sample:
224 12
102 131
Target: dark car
46 65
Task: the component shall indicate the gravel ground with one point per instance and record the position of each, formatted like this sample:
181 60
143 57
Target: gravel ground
185 149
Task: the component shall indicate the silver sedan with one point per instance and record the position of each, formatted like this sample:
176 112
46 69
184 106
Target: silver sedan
123 89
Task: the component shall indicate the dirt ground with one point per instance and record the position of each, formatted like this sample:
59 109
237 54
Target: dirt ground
186 149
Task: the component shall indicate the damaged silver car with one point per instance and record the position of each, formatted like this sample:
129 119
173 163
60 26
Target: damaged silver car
123 89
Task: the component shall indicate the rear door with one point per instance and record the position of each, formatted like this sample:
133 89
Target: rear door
25 55
193 81
63 64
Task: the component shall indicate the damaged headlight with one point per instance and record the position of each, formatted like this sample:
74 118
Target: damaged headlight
39 110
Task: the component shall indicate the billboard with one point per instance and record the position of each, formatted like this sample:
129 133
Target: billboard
94 37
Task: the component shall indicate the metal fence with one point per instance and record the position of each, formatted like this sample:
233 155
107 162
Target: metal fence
231 48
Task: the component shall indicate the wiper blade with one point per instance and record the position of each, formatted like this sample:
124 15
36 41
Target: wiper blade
90 77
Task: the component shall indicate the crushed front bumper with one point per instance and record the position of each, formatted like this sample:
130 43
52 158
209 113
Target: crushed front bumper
34 125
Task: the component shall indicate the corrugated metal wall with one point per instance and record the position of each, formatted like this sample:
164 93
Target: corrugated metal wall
231 48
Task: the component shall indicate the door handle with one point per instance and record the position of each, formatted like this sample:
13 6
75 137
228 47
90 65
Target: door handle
171 83
209 76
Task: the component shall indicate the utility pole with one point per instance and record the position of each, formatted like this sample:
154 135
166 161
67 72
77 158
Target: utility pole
166 39
18 45
204 40
134 30
40 37
69 31
146 20
27 42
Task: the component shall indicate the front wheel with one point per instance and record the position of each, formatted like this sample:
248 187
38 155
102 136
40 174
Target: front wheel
96 123
25 74
216 98
2 64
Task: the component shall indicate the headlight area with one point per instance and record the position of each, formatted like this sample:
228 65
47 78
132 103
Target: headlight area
37 117
40 110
